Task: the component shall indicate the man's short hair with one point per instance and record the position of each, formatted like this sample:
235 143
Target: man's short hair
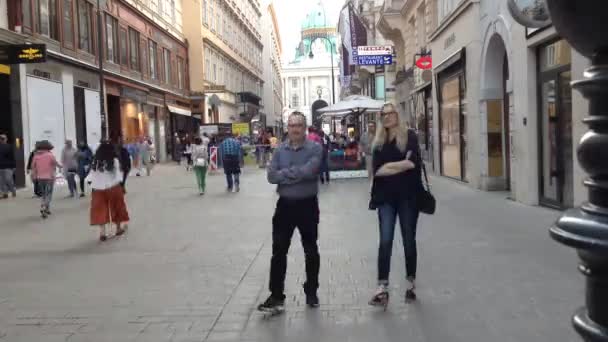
298 114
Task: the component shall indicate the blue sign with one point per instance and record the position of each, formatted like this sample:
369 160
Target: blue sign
375 60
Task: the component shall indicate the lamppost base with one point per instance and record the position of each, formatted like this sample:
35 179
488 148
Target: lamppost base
587 328
587 232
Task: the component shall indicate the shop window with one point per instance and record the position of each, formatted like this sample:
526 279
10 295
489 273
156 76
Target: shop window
134 50
450 128
26 11
153 47
111 39
180 73
167 65
85 31
205 18
124 47
48 24
68 23
445 8
295 101
207 65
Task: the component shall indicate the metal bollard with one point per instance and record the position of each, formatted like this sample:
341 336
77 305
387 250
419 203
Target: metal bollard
583 24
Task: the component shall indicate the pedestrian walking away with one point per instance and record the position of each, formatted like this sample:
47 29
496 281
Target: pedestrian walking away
232 151
188 155
145 160
44 168
7 168
199 157
366 147
107 197
70 166
324 171
29 171
84 157
125 163
295 169
396 183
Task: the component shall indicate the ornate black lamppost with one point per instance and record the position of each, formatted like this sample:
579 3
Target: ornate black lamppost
584 24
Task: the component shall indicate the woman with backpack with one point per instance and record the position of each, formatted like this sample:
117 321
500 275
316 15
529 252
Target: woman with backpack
396 185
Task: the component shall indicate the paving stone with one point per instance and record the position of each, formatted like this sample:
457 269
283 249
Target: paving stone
194 268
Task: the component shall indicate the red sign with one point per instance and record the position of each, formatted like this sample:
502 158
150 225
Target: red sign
424 62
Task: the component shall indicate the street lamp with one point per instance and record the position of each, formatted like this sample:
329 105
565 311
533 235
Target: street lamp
105 125
583 24
331 53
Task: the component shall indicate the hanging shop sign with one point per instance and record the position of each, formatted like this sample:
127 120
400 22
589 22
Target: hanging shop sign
22 53
369 50
240 128
424 62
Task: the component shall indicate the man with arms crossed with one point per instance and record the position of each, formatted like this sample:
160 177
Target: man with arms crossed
295 169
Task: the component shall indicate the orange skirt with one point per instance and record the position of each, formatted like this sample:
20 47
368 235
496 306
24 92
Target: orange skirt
108 206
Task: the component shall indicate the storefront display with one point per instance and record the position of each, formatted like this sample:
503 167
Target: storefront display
556 176
452 124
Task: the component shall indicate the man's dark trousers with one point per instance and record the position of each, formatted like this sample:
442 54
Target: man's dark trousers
289 214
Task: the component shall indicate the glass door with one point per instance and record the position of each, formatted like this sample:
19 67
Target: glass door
556 141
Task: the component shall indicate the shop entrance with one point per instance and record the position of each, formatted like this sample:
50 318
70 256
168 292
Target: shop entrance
114 124
555 123
494 88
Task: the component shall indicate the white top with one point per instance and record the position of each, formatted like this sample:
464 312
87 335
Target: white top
188 149
107 179
199 151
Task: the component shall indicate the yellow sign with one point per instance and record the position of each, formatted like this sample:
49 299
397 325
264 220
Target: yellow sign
240 128
30 54
5 69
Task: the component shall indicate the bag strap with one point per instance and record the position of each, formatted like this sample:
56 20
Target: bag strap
426 178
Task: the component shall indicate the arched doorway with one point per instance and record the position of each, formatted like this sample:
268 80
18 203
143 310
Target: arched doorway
496 94
317 121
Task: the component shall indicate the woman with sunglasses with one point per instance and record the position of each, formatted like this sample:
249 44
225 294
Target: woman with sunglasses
396 182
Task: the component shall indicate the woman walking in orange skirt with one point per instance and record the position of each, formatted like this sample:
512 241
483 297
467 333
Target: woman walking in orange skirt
107 199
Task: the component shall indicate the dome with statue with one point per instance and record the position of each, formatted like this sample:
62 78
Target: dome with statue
318 37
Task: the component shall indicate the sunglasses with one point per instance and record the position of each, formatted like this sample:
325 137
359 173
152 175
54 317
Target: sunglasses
383 114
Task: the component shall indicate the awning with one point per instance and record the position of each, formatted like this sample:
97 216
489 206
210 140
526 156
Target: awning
179 111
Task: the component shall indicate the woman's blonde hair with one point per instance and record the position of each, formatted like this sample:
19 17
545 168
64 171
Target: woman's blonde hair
382 133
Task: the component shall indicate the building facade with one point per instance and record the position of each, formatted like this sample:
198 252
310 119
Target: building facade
273 85
496 110
61 99
225 55
307 79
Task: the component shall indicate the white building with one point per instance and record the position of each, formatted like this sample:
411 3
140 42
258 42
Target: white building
272 97
307 79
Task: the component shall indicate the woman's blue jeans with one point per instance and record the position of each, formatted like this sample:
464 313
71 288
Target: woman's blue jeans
408 219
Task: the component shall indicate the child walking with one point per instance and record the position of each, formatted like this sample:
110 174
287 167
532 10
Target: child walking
107 198
44 167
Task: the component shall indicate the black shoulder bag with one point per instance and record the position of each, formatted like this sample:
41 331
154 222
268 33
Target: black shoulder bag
425 200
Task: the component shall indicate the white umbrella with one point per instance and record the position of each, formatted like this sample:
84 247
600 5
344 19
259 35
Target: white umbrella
351 104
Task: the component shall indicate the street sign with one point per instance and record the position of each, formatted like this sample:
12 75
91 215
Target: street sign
22 53
375 60
369 50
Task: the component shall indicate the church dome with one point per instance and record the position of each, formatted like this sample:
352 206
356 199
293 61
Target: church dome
316 18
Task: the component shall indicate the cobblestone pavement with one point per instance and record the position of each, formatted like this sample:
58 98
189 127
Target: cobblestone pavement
193 268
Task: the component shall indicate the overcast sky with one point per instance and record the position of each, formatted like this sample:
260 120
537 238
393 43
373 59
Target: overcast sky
291 13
